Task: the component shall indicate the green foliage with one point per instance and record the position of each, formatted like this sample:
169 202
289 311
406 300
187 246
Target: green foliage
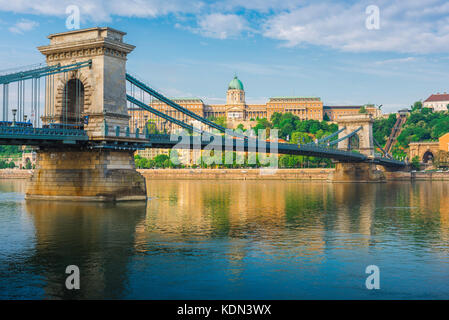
9 150
240 127
152 128
424 125
382 128
288 124
417 106
262 124
362 109
415 163
3 164
326 117
221 121
28 164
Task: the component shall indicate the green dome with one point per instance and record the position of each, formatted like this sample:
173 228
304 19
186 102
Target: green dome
235 84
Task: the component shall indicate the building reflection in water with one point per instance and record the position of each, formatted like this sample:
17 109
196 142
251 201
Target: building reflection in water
215 239
98 238
296 220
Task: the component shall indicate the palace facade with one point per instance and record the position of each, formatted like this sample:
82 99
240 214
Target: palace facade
237 111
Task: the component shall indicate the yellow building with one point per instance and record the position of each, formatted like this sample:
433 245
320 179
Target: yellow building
334 112
237 111
444 142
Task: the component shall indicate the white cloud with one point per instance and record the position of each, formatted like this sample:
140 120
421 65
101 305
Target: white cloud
412 26
102 10
221 26
22 26
263 6
395 61
405 26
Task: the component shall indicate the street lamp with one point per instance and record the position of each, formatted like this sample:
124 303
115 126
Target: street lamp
14 112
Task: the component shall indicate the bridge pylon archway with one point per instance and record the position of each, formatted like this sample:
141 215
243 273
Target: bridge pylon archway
364 137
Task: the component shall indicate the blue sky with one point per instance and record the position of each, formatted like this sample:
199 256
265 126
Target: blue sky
277 47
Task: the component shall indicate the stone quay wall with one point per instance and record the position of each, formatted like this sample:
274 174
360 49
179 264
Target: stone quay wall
15 174
236 174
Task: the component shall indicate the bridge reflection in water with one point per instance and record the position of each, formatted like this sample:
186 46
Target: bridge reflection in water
231 240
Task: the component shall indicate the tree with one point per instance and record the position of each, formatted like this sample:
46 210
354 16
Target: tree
415 163
12 165
382 128
161 160
417 106
362 109
174 158
152 128
326 117
28 164
221 121
240 127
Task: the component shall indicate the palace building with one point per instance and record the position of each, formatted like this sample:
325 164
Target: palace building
237 111
437 102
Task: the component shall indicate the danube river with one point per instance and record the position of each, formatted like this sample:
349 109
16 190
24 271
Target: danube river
231 240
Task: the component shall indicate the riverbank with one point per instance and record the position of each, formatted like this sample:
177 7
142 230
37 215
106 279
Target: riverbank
236 174
15 174
314 174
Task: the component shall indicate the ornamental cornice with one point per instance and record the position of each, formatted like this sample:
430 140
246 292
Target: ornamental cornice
87 48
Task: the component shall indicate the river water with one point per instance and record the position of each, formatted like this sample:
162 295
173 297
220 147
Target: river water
231 240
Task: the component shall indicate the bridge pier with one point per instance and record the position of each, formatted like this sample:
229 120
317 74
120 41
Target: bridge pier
78 174
357 172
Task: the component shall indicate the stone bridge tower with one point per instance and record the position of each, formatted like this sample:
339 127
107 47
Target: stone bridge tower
103 85
363 142
81 172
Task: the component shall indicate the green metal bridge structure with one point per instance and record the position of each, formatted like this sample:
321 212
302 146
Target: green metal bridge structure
79 100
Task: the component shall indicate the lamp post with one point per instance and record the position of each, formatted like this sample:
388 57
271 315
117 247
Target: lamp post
14 112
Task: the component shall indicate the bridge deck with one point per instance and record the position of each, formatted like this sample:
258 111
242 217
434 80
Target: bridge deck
15 135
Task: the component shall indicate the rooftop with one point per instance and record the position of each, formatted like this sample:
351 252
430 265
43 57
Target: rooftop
294 98
342 107
438 97
235 84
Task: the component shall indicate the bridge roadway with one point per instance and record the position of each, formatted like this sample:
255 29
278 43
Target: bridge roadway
17 135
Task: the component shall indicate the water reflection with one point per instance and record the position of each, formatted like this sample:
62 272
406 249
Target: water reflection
231 239
97 238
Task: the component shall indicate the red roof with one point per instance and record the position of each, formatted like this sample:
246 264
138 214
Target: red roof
438 97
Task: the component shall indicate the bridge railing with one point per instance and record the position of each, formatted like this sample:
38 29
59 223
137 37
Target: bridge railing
20 132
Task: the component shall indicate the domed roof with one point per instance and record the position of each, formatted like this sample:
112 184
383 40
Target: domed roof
235 84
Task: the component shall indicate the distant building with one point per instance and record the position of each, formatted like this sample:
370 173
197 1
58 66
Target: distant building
237 111
334 112
444 142
437 102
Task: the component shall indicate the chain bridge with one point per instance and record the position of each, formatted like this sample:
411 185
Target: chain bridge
74 109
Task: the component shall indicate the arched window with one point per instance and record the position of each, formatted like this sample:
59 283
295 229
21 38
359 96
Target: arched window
73 102
427 157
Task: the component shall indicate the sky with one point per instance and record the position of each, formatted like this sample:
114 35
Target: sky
334 50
